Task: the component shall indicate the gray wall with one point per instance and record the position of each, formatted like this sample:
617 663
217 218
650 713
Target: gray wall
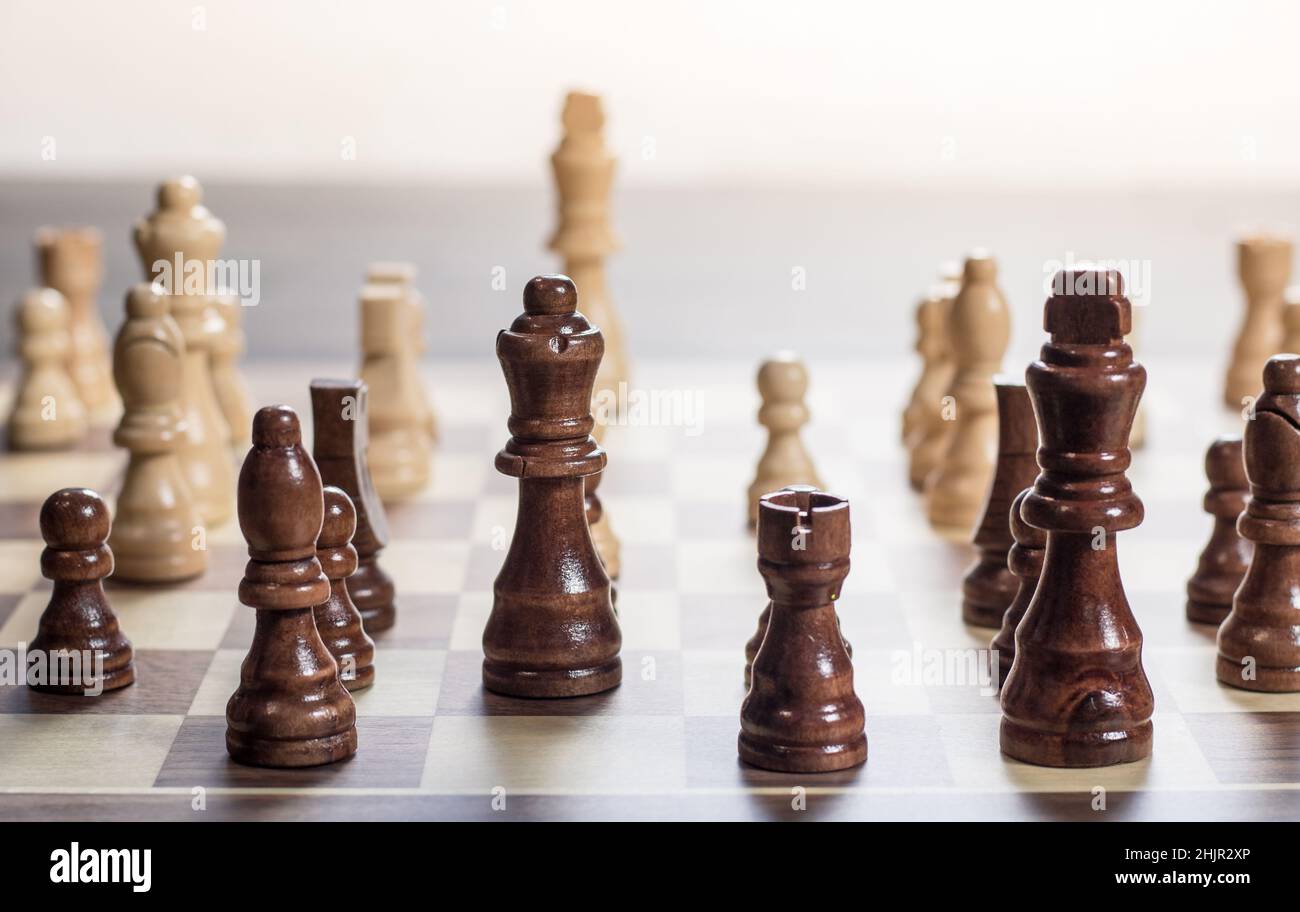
702 272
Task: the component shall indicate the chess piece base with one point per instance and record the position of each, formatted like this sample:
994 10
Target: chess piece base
802 758
1267 679
1075 750
372 592
378 618
564 682
273 752
987 591
359 680
1202 612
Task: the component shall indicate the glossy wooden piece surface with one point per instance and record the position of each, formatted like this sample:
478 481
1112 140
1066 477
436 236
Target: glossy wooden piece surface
552 631
337 620
989 586
290 709
1077 694
1025 561
1226 556
1259 641
78 618
801 714
340 447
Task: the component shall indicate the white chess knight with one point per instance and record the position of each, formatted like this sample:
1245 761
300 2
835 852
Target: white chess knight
782 383
47 413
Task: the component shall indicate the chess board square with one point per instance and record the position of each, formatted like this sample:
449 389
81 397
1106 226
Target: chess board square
472 611
624 754
1249 748
652 686
468 439
696 479
649 621
483 566
423 566
631 477
439 519
452 475
494 521
8 602
934 621
165 619
20 519
48 472
390 754
945 564
166 681
424 621
719 567
647 568
1155 565
970 741
902 752
720 622
1162 617
709 519
406 683
20 565
640 520
151 618
1186 678
83 751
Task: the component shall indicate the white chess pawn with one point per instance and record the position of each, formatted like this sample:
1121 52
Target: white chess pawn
782 383
402 275
47 413
399 442
227 381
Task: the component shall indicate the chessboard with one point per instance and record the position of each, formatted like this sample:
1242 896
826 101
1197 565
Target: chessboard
433 744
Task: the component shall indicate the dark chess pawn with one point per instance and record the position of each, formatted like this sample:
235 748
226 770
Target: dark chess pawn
78 625
552 631
1227 555
340 412
1025 560
1259 641
1077 695
989 585
801 714
290 709
751 648
337 619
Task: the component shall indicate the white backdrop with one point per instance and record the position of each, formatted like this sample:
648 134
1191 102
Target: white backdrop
1111 91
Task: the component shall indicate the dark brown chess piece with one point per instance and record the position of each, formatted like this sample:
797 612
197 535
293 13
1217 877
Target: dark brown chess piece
1077 695
801 714
552 631
751 648
337 620
1227 555
607 546
339 409
1025 560
78 625
989 586
290 709
1259 641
